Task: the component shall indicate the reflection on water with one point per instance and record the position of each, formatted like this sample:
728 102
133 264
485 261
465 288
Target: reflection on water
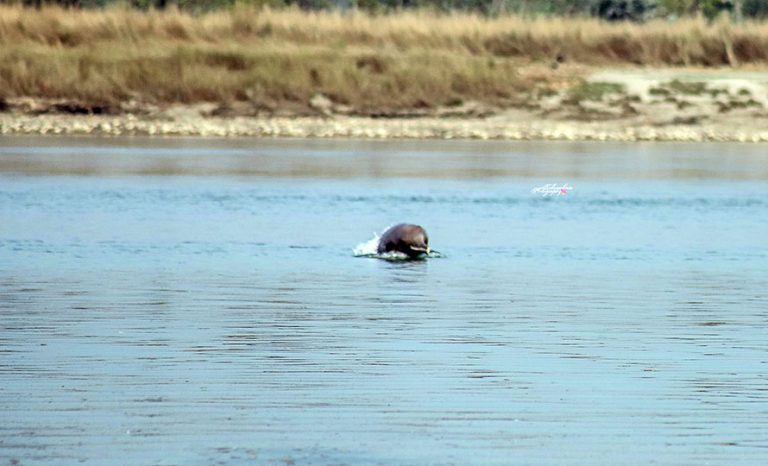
89 156
224 319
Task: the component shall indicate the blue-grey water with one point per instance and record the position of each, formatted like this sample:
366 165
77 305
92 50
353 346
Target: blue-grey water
192 301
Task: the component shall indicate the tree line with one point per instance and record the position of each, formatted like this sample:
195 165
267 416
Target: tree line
612 10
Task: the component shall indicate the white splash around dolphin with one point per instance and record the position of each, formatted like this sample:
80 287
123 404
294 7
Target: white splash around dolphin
370 248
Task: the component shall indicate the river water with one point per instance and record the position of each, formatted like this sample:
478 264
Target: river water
193 301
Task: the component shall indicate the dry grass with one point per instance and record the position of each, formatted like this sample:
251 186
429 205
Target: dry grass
371 63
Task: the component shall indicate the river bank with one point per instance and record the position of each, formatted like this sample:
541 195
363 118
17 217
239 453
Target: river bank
505 127
605 104
286 73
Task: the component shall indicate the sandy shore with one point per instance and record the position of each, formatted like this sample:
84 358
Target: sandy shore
610 105
503 127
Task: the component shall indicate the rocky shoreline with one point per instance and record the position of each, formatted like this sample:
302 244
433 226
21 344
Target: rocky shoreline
520 126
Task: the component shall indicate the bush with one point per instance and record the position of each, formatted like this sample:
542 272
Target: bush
623 10
713 8
755 8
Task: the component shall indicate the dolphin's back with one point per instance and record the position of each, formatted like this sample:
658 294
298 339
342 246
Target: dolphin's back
400 238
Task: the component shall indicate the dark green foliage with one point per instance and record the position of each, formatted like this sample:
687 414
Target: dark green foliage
611 10
713 8
623 10
755 8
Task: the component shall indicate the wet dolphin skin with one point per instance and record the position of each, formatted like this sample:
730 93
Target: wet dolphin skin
411 240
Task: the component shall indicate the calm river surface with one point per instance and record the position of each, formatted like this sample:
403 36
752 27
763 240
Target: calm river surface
193 301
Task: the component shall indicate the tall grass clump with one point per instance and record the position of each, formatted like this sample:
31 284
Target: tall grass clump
369 62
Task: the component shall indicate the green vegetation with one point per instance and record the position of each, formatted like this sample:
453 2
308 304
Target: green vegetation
267 78
594 91
636 10
269 60
687 88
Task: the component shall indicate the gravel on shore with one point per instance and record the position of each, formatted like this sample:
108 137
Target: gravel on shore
499 128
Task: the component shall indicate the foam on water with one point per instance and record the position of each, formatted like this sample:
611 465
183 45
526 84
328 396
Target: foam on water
367 248
370 249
